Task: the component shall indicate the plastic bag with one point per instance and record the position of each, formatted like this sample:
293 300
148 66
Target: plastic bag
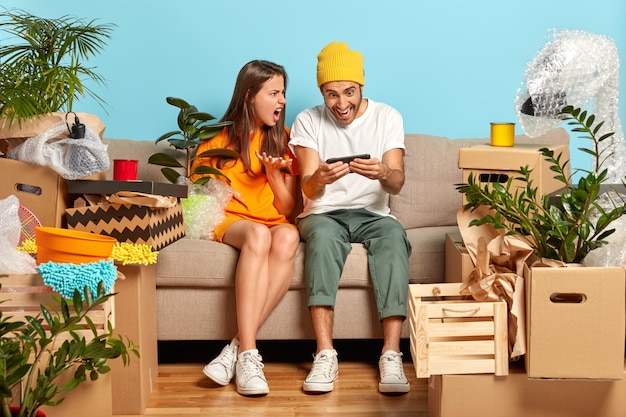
203 209
12 261
614 252
70 158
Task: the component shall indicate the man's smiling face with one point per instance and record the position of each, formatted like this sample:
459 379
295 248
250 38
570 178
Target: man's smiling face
344 99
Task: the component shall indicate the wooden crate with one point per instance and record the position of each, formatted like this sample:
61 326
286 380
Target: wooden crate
22 294
453 335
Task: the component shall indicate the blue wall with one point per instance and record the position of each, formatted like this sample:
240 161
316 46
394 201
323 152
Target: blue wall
451 67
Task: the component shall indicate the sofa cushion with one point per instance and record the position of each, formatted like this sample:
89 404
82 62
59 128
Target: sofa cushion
214 263
429 197
141 151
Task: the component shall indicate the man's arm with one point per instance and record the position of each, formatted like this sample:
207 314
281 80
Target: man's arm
315 174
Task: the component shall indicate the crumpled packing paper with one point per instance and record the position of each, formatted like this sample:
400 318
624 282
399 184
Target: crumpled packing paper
143 199
498 274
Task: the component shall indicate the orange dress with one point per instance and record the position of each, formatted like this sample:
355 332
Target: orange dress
254 198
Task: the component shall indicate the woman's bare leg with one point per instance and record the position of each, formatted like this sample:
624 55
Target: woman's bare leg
263 274
285 241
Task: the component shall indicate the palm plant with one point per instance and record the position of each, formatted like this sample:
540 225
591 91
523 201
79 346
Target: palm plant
566 226
44 70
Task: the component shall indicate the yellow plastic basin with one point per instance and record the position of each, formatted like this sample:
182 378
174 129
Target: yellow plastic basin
71 246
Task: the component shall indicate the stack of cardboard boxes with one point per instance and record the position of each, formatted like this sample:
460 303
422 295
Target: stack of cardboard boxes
50 198
38 188
136 292
574 364
132 223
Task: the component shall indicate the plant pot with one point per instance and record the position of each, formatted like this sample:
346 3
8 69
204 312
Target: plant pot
15 410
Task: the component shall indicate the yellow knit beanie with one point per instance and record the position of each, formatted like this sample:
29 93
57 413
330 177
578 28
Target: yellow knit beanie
336 62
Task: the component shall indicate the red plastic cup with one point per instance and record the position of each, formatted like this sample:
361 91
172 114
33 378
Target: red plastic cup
125 169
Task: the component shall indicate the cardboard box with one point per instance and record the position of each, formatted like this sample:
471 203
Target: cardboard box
451 334
10 137
91 398
22 294
112 187
130 223
136 319
490 164
40 189
575 322
458 263
517 396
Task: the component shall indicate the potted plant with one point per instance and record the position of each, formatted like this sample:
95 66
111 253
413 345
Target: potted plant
37 352
43 71
194 128
564 227
565 300
203 207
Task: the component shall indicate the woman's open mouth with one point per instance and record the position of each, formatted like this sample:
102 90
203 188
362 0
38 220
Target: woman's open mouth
277 115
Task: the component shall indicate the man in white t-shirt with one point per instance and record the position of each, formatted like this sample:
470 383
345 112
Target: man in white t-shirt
347 203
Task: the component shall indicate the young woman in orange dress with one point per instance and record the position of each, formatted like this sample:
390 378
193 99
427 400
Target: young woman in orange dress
256 218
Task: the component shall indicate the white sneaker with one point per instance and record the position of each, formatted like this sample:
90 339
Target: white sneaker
392 378
324 372
222 368
249 376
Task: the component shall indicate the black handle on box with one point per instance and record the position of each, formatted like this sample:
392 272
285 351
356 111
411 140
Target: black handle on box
567 298
30 189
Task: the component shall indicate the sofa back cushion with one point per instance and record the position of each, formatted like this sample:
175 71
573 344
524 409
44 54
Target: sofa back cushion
429 196
141 150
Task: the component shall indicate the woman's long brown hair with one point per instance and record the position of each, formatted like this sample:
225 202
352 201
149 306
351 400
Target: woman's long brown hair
240 111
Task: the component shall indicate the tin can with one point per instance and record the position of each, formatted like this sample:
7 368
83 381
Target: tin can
502 134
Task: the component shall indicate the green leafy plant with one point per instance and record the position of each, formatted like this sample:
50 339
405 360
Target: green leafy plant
194 128
36 352
565 226
43 71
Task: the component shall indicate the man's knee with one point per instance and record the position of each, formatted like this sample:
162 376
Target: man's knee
322 230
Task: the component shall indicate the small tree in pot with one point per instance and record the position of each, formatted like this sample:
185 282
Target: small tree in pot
194 128
564 227
44 70
202 209
33 358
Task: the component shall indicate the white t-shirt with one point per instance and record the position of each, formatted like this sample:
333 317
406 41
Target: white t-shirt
377 130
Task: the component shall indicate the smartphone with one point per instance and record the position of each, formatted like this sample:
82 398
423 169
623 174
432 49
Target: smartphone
348 159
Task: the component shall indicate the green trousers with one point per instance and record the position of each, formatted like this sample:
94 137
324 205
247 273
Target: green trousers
328 239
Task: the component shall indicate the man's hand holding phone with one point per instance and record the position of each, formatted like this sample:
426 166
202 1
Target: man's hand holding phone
339 167
348 159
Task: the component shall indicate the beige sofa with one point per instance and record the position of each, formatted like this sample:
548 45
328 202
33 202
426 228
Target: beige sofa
195 278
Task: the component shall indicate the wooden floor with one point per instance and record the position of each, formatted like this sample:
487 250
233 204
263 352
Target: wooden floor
182 390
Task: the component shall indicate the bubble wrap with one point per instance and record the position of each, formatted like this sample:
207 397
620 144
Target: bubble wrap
12 260
203 209
614 252
578 69
70 158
